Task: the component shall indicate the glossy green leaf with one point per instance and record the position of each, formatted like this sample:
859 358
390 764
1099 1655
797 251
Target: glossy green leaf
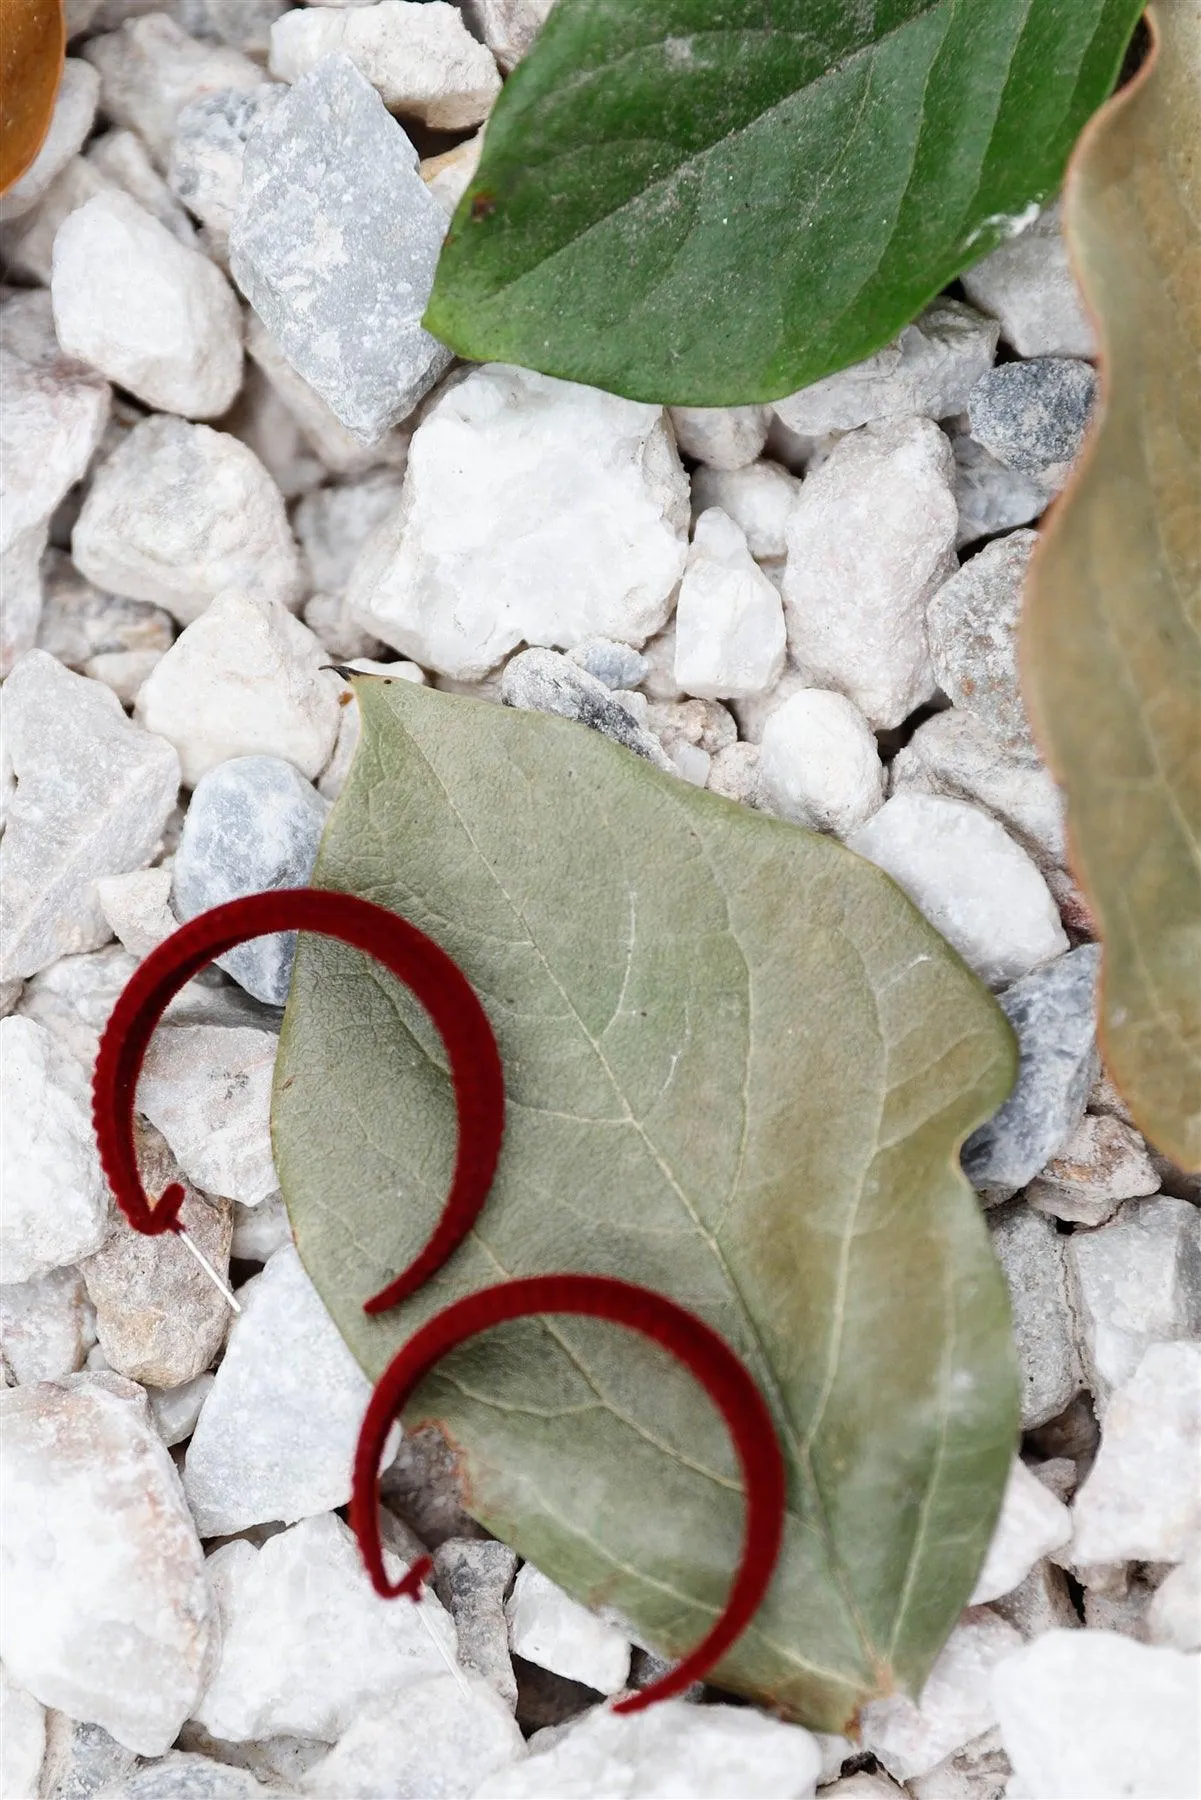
708 202
1112 623
739 1065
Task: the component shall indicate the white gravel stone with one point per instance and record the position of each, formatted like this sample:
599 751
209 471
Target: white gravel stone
175 1410
954 754
74 997
152 315
928 372
752 715
1089 1713
1031 1255
208 1090
973 626
106 1613
436 1740
138 907
724 437
338 450
548 1627
74 110
910 1738
259 1231
1027 283
447 176
1032 1524
334 243
730 637
862 1787
421 59
276 1436
1103 1163
1142 1499
55 1199
27 243
207 147
1134 1283
93 794
84 628
265 425
188 1777
819 764
306 1644
870 539
974 884
54 414
734 773
334 523
533 509
22 1740
46 1328
122 159
978 1771
508 27
244 680
991 497
178 514
672 1749
21 585
81 1759
150 70
1174 1615
758 498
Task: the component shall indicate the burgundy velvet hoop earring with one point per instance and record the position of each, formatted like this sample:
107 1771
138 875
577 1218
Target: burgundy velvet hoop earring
706 1355
435 979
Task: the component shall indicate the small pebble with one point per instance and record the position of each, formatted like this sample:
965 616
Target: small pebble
306 1645
912 1737
472 1577
990 497
81 1759
276 1435
1032 1524
730 637
548 1627
439 1737
508 27
1174 1615
1031 1254
175 1410
82 624
1103 1163
207 1088
138 907
155 317
150 70
613 664
758 498
46 1326
245 680
1032 416
954 754
254 824
974 884
106 1613
870 539
334 243
180 513
723 437
421 59
1135 1283
182 1777
544 681
973 625
1052 1011
1027 283
70 123
819 764
22 1740
55 1198
208 143
121 158
576 513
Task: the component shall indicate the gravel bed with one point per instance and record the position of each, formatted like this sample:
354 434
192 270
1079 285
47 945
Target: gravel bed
233 457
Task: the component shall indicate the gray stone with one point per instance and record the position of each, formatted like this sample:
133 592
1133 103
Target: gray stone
46 1328
472 1578
338 451
1135 1282
544 681
22 1740
334 242
209 142
106 1612
979 1771
422 1488
1042 1602
991 497
150 70
333 524
159 1318
183 1777
1052 1010
614 665
1031 1255
93 794
81 1759
1027 283
254 824
973 625
1104 1162
1033 415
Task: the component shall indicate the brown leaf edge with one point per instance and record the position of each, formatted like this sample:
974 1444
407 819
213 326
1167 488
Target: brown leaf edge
1168 1111
33 44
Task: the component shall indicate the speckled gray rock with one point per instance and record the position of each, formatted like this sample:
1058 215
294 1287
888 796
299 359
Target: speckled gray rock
616 665
159 1319
254 823
209 142
81 1759
472 1577
991 497
150 70
334 243
1031 1254
183 1777
1052 1011
1033 415
544 681
973 625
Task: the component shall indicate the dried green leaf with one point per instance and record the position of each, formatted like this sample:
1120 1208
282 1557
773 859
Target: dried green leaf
739 1065
709 202
1112 625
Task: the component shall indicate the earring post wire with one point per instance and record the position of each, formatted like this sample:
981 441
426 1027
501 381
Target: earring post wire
222 1287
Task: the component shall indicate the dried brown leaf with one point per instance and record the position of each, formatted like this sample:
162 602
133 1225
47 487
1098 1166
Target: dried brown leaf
32 46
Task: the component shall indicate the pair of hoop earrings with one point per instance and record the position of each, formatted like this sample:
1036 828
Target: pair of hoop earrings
478 1080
